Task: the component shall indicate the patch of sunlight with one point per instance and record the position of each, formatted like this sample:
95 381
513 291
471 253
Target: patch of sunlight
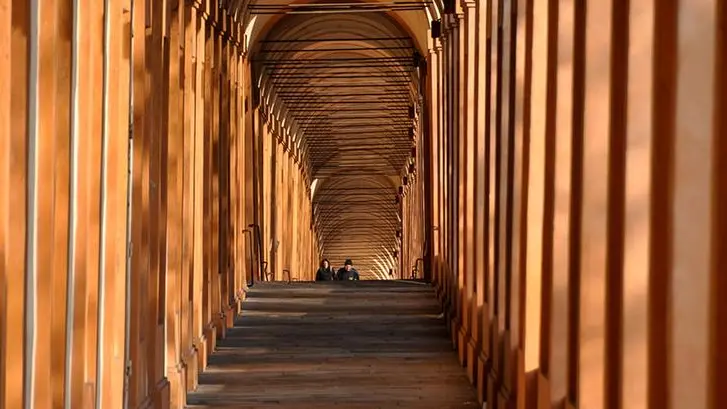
254 351
313 188
248 31
283 301
214 388
285 314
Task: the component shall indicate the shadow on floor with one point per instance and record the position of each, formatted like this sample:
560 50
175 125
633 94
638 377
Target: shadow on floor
365 344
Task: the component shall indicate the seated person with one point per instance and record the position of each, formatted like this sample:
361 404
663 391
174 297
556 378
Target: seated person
325 272
347 272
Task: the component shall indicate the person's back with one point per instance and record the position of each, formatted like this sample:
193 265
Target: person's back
347 272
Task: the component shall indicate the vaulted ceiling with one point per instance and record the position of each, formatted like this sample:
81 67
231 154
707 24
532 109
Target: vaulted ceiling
345 76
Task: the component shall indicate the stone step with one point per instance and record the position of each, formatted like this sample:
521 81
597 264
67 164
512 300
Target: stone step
336 345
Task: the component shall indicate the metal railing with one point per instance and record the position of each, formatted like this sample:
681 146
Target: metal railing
415 269
262 272
269 275
251 281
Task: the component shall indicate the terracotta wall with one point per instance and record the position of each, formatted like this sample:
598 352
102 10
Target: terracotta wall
93 117
578 198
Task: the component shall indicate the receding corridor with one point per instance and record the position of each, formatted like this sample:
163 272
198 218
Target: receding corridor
369 344
532 192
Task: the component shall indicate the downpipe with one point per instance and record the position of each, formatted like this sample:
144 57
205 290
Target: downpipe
31 254
72 208
129 203
101 289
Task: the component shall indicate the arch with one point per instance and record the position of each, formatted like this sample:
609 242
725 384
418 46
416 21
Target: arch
260 19
348 86
380 80
362 206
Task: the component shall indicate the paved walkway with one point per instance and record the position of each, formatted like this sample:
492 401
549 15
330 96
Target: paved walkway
366 344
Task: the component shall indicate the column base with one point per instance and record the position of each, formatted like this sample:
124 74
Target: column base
228 320
220 325
472 353
491 389
462 341
502 401
241 295
191 362
438 293
202 352
537 394
177 393
454 332
160 397
210 335
481 381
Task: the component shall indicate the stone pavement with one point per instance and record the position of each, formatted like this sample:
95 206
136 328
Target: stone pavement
366 344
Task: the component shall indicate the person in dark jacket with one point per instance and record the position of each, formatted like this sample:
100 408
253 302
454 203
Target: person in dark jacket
347 272
325 272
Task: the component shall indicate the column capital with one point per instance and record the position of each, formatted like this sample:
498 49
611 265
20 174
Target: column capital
451 21
446 29
446 25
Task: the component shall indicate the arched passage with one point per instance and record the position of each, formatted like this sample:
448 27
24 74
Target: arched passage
347 90
564 184
358 218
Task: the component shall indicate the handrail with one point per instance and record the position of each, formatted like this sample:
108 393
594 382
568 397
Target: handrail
415 269
263 263
287 271
417 264
252 258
